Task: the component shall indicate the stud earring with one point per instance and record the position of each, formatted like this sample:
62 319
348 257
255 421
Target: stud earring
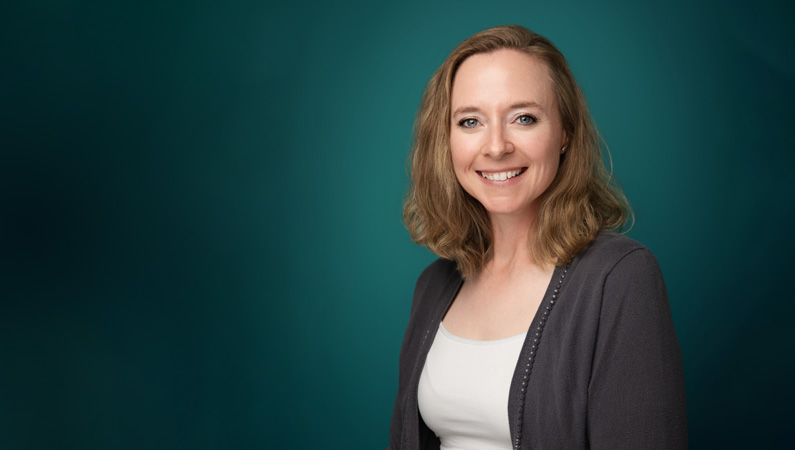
563 150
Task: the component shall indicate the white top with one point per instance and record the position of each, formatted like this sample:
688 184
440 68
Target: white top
463 390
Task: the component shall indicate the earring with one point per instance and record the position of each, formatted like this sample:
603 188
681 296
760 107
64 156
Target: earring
563 150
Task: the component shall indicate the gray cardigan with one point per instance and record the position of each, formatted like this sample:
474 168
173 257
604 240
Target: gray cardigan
600 368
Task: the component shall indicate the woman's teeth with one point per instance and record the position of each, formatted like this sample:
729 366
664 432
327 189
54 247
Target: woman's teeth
501 176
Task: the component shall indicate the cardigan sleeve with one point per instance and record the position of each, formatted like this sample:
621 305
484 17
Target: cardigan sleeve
636 395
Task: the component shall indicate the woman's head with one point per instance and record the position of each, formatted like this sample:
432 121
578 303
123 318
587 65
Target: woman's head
505 133
578 202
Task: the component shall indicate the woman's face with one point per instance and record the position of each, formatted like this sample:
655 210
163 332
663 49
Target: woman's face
505 133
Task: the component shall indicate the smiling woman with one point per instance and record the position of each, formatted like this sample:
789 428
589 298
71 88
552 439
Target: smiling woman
509 189
505 137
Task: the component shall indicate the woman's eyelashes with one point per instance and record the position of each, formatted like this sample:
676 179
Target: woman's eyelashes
523 119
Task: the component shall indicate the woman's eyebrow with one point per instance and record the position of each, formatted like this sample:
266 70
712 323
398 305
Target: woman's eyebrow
465 109
521 105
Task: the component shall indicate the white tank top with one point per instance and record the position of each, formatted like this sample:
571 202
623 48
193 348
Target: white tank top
463 390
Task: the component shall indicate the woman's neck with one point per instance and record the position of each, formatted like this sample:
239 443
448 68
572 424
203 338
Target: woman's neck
510 242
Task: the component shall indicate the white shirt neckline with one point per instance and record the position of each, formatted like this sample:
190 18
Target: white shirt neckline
479 342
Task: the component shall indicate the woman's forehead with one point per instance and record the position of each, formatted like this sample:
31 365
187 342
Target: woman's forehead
504 77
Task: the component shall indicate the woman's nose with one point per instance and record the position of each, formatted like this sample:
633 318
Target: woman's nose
498 144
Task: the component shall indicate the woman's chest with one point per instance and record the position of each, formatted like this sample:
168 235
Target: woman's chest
495 309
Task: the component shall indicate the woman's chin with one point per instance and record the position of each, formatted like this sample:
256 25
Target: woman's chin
509 211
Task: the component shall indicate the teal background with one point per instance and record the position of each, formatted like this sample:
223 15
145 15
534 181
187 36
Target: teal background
200 209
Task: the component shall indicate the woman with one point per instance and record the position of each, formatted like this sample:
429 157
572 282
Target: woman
537 327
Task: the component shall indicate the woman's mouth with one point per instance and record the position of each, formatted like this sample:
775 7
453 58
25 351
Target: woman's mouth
501 176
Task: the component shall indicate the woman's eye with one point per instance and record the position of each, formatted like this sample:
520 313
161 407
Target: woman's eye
468 123
526 119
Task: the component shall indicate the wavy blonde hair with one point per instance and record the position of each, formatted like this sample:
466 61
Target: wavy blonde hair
582 199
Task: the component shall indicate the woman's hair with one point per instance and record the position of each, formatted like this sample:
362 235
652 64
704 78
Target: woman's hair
581 200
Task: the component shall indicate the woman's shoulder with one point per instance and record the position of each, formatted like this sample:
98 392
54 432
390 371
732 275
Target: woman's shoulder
439 274
440 268
626 278
609 249
437 281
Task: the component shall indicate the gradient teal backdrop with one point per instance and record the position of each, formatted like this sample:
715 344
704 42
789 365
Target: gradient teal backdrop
200 229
